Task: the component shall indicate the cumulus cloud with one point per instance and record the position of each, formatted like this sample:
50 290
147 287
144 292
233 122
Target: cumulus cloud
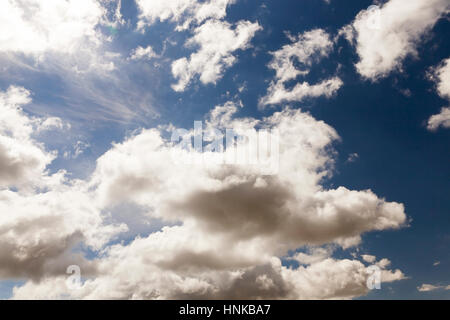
305 49
217 41
441 119
441 76
230 223
182 12
384 37
47 215
250 218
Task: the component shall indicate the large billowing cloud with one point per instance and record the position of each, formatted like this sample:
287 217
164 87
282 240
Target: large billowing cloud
227 225
305 49
217 41
384 37
441 75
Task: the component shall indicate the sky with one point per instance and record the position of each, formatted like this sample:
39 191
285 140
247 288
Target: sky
99 201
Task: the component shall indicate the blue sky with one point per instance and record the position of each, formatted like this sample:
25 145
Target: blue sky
381 112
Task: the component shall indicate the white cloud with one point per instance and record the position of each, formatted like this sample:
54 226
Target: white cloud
369 258
249 218
225 230
315 255
23 160
143 53
78 148
429 287
217 41
43 35
183 12
33 27
63 41
385 37
277 93
441 75
441 119
352 157
326 279
307 49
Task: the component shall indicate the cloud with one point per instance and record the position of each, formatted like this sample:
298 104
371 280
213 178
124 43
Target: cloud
352 157
326 279
441 119
277 93
143 53
369 258
441 76
384 36
226 226
250 218
306 49
63 41
429 287
217 40
36 33
33 27
182 12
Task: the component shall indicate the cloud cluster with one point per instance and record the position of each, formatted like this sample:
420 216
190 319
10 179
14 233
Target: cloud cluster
385 36
226 225
441 75
214 39
33 27
429 287
296 59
